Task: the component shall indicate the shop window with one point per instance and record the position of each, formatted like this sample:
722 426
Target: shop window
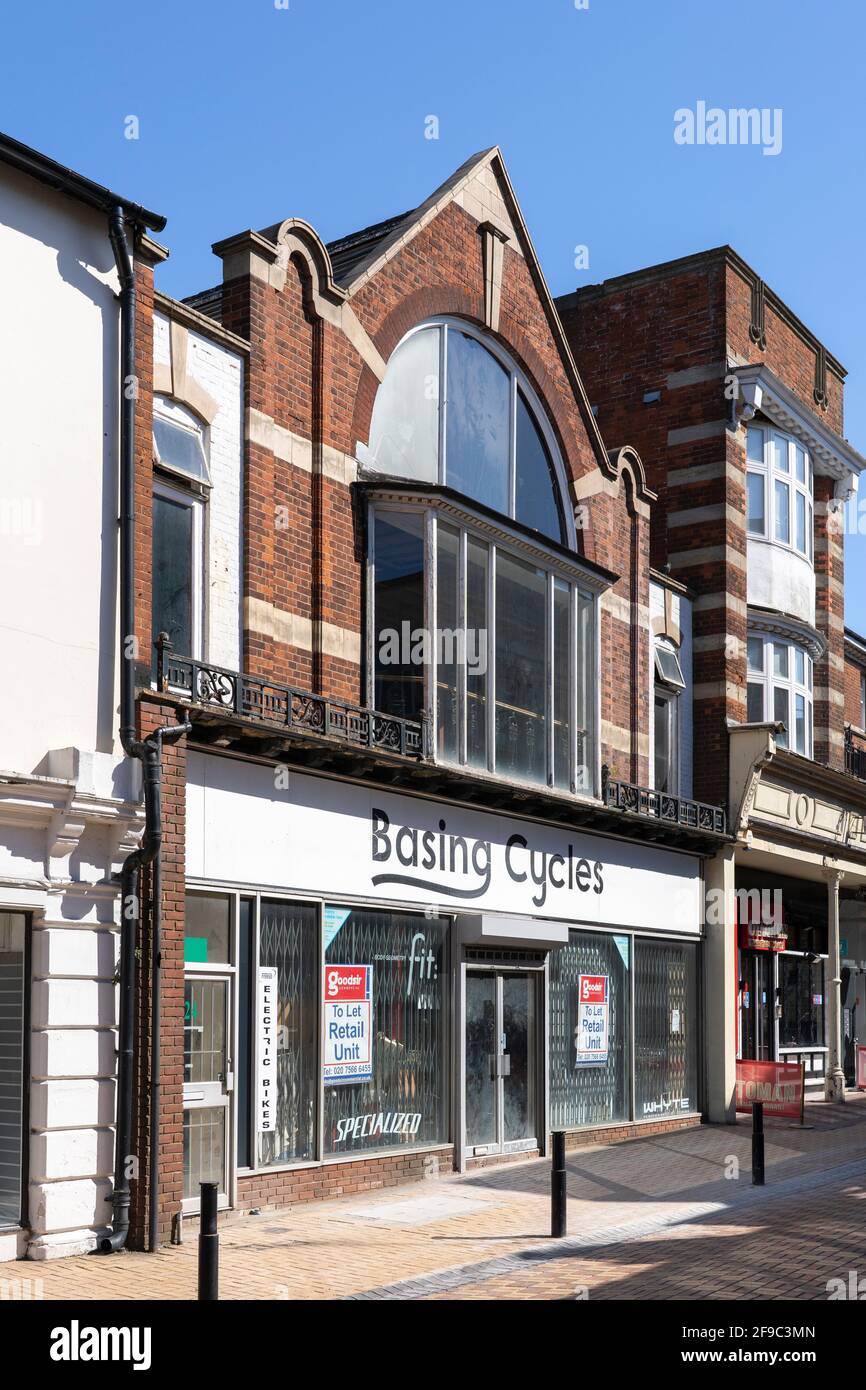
587 1090
511 647
289 943
385 1031
779 688
454 409
14 973
780 490
801 995
666 1066
207 931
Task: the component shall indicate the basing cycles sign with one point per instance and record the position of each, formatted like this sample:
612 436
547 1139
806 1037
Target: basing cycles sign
433 859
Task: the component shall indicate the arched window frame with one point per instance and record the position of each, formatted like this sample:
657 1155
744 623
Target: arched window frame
518 382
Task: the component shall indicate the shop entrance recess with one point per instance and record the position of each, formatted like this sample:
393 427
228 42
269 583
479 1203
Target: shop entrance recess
502 1036
757 996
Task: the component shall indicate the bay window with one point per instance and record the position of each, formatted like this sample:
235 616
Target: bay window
779 688
779 490
496 639
483 614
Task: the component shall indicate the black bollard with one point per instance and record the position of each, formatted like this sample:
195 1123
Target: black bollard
558 1175
758 1144
208 1245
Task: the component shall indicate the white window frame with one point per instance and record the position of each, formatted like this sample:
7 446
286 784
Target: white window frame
770 475
769 682
670 694
517 381
186 498
554 568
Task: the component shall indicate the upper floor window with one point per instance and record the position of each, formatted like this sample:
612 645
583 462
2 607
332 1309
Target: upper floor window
780 490
495 640
178 442
454 410
669 685
779 688
181 485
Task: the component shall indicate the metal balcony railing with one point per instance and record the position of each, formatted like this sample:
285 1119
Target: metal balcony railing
855 754
671 810
281 707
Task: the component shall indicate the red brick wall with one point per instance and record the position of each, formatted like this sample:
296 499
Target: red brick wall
852 679
306 376
672 329
341 1179
152 715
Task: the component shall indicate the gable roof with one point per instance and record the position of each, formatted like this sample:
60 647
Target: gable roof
483 183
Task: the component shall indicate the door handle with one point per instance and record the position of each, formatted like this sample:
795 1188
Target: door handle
505 1064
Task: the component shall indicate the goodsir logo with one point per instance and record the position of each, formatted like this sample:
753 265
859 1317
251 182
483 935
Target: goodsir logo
77 1343
438 852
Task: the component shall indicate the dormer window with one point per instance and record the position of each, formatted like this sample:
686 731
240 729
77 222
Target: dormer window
780 490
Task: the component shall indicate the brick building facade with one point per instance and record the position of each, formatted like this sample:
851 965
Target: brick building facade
737 411
448 582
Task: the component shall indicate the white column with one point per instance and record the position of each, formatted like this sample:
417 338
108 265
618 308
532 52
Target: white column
834 1081
720 987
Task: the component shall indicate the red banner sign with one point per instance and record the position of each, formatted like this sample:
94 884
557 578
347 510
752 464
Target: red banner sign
780 1086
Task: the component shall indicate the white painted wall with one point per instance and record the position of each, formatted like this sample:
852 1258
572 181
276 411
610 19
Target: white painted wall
58 476
780 579
69 811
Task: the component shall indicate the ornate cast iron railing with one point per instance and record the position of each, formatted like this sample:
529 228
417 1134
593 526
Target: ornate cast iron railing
672 810
214 688
855 754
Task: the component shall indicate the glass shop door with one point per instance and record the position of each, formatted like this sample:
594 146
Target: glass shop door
207 1086
757 996
502 1061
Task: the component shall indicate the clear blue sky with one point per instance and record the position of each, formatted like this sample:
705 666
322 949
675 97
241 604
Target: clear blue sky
249 113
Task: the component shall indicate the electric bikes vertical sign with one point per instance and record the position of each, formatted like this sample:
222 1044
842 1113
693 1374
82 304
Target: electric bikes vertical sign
348 1024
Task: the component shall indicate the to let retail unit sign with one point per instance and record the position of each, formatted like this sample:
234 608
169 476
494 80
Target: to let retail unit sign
592 1035
348 1023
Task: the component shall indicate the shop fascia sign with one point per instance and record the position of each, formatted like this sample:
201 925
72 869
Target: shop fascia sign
430 859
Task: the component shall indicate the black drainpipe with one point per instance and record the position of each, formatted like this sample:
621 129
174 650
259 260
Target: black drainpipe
148 750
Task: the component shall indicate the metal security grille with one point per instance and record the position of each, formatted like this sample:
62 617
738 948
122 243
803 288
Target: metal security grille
599 1092
13 926
480 955
665 1031
289 940
407 953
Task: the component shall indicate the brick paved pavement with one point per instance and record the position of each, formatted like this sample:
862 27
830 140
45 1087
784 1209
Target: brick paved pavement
486 1235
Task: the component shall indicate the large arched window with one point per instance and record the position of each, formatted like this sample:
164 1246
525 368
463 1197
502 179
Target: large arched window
478 618
454 410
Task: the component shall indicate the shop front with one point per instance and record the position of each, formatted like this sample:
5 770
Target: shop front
782 972
376 976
